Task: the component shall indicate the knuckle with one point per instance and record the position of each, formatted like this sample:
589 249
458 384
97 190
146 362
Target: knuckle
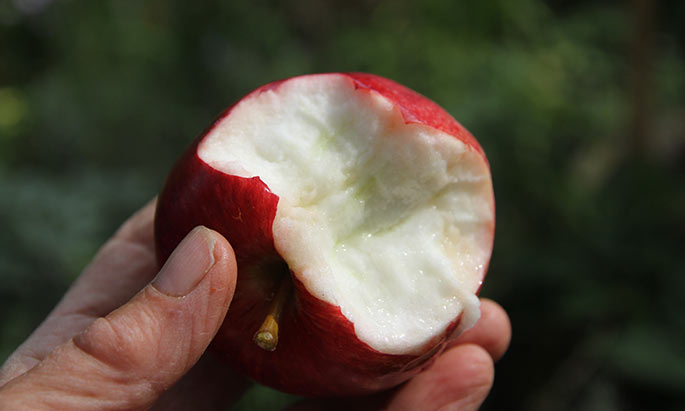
121 345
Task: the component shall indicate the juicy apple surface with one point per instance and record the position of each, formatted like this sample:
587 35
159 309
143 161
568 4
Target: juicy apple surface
368 206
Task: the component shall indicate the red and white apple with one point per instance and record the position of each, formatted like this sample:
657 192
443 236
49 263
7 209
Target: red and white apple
362 219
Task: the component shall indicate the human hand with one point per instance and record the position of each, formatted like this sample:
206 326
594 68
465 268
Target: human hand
92 352
110 345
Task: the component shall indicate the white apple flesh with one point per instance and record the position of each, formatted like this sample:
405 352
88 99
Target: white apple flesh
379 203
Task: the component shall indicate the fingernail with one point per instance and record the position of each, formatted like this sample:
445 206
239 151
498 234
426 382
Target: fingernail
188 264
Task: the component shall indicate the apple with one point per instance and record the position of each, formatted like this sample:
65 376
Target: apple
362 219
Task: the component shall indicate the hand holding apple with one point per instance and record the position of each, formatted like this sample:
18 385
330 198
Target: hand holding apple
379 226
362 219
49 371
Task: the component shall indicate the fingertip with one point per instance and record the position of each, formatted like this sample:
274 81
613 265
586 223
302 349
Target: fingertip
222 248
224 257
460 379
501 321
473 376
492 331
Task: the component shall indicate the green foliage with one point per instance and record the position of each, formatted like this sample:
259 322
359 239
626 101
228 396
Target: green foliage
97 99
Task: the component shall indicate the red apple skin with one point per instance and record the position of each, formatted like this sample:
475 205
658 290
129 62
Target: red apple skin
318 353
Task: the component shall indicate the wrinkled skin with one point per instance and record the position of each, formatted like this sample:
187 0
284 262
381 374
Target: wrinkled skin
126 337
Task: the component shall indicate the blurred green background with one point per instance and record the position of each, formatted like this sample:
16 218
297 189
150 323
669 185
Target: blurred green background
580 106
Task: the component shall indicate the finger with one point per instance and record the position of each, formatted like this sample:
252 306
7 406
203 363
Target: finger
129 358
138 228
460 379
492 331
123 266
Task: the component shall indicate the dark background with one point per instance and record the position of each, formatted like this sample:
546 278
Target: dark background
580 106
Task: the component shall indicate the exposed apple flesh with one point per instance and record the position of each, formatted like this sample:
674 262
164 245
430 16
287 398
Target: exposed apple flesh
373 201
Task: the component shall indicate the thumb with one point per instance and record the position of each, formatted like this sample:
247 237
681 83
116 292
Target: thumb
127 359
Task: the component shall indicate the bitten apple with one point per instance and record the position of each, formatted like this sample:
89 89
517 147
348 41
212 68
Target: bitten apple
362 219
